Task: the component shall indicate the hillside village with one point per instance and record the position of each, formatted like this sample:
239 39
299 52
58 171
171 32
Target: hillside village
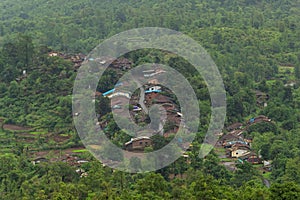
233 146
139 107
238 147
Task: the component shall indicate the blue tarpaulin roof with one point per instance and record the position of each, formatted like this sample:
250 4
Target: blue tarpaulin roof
118 84
149 91
108 92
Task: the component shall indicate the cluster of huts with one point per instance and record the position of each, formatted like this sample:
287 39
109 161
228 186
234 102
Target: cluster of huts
238 147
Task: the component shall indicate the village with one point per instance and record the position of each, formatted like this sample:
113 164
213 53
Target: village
233 146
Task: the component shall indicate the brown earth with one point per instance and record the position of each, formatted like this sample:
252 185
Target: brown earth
12 127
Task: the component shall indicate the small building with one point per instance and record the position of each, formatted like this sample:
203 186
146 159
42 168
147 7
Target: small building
136 109
248 140
234 126
267 165
261 97
254 159
232 143
156 89
108 92
117 107
82 161
52 54
158 98
121 63
225 139
179 114
153 82
258 119
290 84
39 160
118 94
237 132
138 144
119 84
150 73
240 150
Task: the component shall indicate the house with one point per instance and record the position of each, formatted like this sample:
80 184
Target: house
108 92
118 94
261 97
248 140
225 139
234 126
179 114
39 160
156 89
158 98
258 119
52 54
237 132
150 73
290 84
231 143
169 107
267 165
121 63
117 107
82 161
138 144
153 82
136 109
240 150
253 158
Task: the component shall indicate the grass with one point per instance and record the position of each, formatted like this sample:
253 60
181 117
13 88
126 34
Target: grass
271 81
64 135
220 150
6 154
267 175
79 150
226 160
287 72
258 166
38 132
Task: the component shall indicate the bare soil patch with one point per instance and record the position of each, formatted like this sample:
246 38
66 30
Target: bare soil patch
13 127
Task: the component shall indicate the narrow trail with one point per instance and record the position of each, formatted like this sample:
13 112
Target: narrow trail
267 182
142 95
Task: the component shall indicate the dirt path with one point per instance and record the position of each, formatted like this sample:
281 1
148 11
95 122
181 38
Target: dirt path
12 127
267 182
142 96
56 153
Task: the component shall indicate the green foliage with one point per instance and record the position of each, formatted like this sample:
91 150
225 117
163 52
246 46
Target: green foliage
288 190
255 44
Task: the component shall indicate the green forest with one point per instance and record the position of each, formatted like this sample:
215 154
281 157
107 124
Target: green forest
256 47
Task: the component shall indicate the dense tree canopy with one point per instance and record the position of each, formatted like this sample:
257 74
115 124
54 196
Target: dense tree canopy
255 45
